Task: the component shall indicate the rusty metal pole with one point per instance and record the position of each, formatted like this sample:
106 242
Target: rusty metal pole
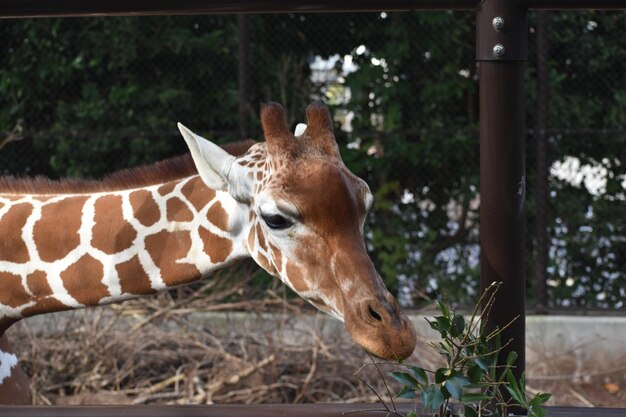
501 49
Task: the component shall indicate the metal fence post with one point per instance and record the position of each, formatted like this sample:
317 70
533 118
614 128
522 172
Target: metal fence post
501 48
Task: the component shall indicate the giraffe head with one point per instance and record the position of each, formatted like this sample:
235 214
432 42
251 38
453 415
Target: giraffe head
302 217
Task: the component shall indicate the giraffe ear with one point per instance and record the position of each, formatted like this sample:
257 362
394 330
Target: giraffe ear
216 167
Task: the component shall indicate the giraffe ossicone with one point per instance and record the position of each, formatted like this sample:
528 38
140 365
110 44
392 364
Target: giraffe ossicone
290 203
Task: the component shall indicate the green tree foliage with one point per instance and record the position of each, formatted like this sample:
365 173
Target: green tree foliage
101 94
415 94
93 95
587 121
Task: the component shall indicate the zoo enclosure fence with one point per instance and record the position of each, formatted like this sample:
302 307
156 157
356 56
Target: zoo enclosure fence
82 113
502 137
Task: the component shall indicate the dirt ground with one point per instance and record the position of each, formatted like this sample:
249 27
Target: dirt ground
593 389
156 350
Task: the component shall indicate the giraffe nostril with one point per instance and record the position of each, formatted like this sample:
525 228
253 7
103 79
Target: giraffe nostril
374 314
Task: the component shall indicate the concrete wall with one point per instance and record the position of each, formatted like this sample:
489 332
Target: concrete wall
563 345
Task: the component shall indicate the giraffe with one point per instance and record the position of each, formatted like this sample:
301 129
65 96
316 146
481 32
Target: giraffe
289 203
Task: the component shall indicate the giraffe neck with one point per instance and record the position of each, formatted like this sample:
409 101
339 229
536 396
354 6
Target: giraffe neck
60 252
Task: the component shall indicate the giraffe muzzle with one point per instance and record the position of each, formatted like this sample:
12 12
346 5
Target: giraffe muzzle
381 328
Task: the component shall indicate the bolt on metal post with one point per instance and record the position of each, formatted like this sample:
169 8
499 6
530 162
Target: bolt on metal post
498 23
498 50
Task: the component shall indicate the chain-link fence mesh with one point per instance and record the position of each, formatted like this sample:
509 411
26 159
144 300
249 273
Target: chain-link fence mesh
88 96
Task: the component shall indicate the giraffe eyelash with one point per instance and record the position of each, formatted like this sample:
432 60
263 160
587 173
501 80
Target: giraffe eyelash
276 221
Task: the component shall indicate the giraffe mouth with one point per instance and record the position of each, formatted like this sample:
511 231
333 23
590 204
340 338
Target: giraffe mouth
381 329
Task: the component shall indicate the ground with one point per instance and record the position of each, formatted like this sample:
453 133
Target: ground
601 389
175 349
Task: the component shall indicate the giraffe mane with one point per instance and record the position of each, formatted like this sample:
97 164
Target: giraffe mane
170 169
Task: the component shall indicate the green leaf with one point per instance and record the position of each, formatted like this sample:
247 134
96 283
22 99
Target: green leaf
433 324
458 325
469 411
534 406
432 397
443 323
446 394
454 389
443 308
442 374
411 414
475 374
493 362
540 398
514 388
420 375
483 363
455 385
439 326
535 411
511 380
511 358
404 378
406 392
474 397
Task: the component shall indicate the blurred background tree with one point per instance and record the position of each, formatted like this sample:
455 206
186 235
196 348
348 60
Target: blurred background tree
94 95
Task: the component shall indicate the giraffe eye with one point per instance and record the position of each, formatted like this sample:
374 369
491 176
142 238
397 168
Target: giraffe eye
276 221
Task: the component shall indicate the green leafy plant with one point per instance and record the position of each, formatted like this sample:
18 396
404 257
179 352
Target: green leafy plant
471 377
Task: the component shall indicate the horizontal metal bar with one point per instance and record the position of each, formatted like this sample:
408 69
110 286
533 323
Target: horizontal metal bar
58 8
257 410
574 4
250 410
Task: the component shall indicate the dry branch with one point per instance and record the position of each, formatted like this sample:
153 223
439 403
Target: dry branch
157 350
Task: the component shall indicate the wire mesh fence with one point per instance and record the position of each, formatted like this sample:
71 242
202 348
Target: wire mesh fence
83 97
